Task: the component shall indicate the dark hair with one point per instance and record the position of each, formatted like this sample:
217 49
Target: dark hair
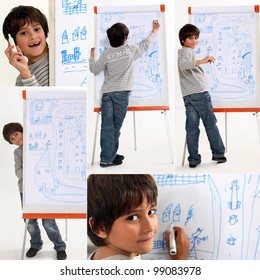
186 31
21 15
11 128
111 196
117 34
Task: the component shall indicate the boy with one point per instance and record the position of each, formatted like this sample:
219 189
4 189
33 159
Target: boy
117 64
122 220
13 134
196 98
29 29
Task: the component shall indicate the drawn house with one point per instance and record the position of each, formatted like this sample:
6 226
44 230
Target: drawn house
166 215
176 213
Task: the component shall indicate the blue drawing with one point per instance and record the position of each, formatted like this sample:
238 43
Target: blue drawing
234 204
148 68
231 39
213 231
195 240
71 46
231 241
233 219
176 213
56 146
167 214
71 7
189 216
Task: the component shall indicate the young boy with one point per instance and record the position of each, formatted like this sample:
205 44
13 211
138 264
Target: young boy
196 98
122 220
117 64
13 134
29 29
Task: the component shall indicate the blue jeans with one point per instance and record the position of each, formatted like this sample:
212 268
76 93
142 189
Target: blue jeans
52 231
113 111
198 106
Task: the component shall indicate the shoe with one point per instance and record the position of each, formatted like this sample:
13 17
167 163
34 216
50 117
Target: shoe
119 157
220 160
193 165
32 252
115 162
61 255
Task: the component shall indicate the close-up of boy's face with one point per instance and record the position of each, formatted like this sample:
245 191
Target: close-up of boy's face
16 138
133 233
191 42
31 40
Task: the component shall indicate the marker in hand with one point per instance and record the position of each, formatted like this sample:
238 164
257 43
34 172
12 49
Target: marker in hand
11 42
173 248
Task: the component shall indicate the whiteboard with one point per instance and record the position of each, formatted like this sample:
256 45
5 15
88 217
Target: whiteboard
54 150
68 33
231 35
219 212
150 69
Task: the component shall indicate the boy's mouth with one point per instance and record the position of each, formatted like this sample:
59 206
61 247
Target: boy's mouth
34 44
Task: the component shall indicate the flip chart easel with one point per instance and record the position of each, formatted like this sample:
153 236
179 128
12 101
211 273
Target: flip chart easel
150 75
54 154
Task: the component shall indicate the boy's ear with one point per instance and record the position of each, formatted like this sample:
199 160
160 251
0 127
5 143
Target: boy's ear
99 232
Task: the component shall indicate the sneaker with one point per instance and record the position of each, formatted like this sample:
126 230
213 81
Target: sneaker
119 157
61 255
193 165
220 160
32 252
115 162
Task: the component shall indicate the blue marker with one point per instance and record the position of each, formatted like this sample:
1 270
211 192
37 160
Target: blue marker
173 248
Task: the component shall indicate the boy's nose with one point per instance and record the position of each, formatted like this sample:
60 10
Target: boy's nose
149 225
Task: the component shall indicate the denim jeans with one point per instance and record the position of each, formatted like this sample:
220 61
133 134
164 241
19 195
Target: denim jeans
198 106
113 111
52 231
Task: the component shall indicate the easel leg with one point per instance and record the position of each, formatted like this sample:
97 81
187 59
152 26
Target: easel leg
258 125
66 229
24 238
226 142
168 135
95 140
184 152
135 145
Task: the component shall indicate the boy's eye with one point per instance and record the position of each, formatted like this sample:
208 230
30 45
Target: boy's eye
37 29
152 212
132 218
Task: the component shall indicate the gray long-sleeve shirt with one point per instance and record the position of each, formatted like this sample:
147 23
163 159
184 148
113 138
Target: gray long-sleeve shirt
117 64
192 79
18 166
40 74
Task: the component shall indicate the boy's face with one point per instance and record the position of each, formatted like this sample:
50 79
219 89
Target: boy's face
16 138
134 233
32 41
191 42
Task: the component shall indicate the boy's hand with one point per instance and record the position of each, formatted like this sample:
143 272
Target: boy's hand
209 58
92 52
182 244
156 26
18 61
